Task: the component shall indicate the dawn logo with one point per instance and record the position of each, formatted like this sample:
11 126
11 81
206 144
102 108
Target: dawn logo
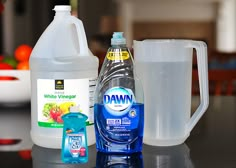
118 100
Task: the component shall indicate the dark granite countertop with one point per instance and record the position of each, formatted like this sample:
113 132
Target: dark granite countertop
212 144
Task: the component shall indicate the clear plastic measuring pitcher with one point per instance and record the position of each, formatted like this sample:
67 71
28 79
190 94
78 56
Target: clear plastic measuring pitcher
165 69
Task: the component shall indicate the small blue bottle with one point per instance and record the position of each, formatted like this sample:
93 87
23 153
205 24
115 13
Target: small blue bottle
74 142
119 108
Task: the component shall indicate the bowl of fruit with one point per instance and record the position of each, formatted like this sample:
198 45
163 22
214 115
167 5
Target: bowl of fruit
15 77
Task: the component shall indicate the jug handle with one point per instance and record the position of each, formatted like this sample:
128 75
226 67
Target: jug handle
201 49
81 35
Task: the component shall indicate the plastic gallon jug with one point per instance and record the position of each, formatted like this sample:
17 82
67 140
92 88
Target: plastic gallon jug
119 109
63 74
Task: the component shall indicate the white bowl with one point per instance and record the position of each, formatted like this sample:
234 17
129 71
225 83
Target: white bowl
14 92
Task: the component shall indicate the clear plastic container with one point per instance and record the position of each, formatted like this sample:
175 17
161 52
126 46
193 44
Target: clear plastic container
119 109
63 74
165 68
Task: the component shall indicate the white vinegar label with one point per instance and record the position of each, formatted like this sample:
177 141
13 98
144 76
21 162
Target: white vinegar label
55 96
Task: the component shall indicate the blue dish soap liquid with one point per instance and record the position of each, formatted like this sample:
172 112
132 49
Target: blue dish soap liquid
119 108
74 142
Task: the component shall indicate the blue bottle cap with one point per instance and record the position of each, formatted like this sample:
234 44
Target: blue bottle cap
118 39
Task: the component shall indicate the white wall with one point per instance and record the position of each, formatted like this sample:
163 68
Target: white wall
173 11
226 26
160 10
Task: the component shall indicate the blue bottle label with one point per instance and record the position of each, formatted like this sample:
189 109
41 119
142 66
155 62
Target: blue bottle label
119 121
121 126
75 145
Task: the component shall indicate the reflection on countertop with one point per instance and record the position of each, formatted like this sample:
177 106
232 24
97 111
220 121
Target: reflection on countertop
51 158
15 124
15 141
167 157
134 160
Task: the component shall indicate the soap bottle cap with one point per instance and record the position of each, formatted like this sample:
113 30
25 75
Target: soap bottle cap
62 8
118 39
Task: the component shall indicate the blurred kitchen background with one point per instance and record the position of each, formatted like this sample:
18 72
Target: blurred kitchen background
213 21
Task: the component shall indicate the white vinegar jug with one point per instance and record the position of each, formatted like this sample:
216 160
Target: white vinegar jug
63 74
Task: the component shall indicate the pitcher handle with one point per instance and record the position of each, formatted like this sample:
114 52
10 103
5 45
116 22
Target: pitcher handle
201 49
83 45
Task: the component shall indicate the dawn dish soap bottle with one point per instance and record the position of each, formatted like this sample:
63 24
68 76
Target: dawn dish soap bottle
119 108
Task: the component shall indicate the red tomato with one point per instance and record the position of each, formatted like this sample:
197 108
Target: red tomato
22 52
23 65
59 119
55 113
5 66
